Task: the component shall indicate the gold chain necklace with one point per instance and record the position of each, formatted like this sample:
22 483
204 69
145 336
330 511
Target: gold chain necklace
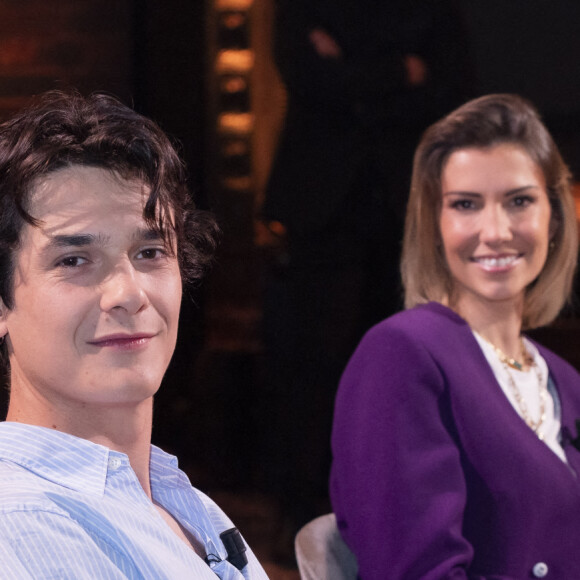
512 362
528 360
523 408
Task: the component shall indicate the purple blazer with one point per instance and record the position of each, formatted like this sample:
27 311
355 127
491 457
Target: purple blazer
435 475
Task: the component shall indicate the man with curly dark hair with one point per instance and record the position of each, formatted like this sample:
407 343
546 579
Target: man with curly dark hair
98 234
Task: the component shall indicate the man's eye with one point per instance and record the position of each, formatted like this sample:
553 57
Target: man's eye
150 254
71 262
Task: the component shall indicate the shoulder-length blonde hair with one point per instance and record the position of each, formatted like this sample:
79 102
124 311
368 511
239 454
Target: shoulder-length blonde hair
483 123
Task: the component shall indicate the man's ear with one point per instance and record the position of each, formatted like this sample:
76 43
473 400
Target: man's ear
3 324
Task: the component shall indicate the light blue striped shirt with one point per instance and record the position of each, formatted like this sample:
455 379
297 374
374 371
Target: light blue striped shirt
71 509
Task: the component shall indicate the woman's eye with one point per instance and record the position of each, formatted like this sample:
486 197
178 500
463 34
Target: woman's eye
71 262
462 204
522 200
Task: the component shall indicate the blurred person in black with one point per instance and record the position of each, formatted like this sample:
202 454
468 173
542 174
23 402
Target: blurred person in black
364 78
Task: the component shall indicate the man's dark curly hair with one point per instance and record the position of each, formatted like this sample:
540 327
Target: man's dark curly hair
63 129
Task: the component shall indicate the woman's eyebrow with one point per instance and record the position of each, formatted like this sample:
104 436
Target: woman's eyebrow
521 189
475 194
461 192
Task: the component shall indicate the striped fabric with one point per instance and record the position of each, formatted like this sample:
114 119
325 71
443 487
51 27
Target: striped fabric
71 509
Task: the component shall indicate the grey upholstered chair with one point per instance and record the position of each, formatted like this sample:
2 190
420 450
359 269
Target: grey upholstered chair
321 552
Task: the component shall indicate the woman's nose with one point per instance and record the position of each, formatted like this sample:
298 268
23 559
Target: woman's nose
495 225
122 289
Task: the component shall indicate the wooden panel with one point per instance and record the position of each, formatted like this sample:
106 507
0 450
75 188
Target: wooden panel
44 45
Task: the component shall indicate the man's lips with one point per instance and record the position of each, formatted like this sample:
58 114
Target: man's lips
122 340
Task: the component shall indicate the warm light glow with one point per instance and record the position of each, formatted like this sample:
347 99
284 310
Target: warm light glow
236 123
236 61
18 51
232 20
238 183
235 84
233 4
235 148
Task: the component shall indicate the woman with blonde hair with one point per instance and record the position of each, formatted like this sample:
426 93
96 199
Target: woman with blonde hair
453 435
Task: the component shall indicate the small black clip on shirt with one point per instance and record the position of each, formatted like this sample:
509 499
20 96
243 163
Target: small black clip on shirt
235 547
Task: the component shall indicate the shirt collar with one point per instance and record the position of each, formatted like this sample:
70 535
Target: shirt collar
164 470
73 462
61 458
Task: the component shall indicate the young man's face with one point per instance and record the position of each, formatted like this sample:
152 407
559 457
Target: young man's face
96 299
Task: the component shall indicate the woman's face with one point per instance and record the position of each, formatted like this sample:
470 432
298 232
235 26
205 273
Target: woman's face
495 224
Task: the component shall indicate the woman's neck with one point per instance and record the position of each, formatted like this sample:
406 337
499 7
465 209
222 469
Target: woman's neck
498 322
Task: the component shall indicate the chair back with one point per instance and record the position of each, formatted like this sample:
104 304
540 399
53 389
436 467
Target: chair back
321 552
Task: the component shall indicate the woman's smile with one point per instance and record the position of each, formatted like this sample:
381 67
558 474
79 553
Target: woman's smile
499 263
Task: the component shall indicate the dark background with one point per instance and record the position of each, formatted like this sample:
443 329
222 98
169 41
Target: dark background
532 48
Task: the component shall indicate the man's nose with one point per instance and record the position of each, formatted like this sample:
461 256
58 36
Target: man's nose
122 289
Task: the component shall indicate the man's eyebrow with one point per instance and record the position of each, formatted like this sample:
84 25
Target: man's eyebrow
75 240
84 240
146 234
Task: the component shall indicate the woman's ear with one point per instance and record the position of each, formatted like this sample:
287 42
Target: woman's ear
554 226
556 219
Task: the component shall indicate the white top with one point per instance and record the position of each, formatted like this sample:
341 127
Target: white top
527 383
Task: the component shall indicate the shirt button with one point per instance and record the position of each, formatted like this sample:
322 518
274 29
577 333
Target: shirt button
114 463
540 570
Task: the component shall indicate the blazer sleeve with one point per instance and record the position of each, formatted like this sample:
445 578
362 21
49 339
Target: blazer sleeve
397 484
